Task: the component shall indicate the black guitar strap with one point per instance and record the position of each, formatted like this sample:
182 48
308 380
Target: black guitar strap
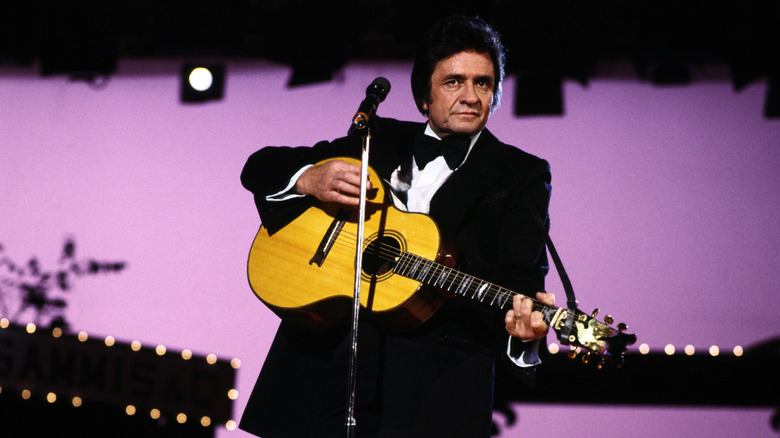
571 302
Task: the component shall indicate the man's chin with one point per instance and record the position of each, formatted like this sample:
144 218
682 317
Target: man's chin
469 129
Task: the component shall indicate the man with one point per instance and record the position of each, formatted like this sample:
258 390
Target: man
436 379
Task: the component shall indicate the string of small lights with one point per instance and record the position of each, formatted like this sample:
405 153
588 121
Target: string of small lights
25 378
669 349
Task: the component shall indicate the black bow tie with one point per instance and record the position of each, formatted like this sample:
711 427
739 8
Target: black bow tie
452 147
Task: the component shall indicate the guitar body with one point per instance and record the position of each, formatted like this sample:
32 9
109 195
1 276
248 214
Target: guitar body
305 272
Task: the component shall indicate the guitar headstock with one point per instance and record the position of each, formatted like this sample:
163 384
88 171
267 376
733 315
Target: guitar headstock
591 336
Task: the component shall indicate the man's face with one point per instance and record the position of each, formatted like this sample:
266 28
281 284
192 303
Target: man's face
461 94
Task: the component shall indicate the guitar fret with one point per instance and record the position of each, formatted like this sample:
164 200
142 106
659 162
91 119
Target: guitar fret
442 278
464 285
400 267
473 287
413 270
403 261
453 280
504 298
496 296
479 293
427 267
408 266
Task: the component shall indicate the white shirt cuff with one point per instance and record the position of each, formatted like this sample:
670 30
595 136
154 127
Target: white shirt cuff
523 353
289 192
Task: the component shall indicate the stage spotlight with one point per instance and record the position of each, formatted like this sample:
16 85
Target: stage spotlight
201 83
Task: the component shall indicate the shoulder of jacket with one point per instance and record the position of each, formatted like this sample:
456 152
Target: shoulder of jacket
514 154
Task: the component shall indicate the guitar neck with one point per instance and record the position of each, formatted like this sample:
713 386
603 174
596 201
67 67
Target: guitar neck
445 278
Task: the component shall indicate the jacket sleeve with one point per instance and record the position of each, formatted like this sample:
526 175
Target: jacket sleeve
530 219
505 242
269 170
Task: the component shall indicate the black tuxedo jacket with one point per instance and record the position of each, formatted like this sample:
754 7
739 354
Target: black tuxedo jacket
490 207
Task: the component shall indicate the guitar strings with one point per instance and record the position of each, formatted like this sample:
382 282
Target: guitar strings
389 254
346 240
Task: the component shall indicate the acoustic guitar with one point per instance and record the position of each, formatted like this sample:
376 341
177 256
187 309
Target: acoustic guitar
305 273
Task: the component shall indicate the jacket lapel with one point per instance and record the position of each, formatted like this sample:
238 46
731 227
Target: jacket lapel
469 183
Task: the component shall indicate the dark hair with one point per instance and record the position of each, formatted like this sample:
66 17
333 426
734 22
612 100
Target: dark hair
451 36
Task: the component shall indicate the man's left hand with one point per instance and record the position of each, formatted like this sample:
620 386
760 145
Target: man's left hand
525 323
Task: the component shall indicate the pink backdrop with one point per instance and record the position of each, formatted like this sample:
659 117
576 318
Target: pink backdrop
664 209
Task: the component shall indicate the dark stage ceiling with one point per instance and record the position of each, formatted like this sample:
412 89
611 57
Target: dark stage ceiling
561 38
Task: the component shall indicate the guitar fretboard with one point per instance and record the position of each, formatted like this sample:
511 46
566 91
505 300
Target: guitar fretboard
443 277
593 335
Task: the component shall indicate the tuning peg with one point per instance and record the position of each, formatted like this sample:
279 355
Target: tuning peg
608 320
622 327
572 353
587 358
595 312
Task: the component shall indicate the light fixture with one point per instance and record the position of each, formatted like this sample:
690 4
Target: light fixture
201 83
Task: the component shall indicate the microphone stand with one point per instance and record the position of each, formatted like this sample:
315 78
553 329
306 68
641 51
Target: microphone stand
362 123
350 420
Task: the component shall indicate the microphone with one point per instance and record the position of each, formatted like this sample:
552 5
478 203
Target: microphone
375 93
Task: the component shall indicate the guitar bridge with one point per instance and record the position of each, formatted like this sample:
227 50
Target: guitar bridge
329 238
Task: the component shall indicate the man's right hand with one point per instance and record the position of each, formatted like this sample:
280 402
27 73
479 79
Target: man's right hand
332 181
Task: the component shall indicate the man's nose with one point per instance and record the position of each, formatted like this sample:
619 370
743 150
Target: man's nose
469 93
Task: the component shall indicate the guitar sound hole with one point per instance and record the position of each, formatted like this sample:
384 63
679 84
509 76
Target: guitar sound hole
380 255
